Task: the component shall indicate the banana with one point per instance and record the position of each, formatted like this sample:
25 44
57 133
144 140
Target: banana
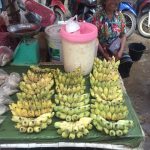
34 110
72 130
118 128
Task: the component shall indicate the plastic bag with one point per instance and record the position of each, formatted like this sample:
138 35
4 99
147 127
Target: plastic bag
6 55
72 25
5 99
3 76
2 118
13 80
6 89
5 17
3 109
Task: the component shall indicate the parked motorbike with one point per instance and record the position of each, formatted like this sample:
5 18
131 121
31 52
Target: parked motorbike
138 13
58 7
130 15
144 21
51 11
83 8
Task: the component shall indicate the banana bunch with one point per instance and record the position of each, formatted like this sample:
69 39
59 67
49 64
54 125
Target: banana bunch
69 79
72 98
111 65
43 94
107 93
118 128
74 130
32 108
102 76
37 69
76 73
33 77
105 70
36 85
30 125
72 114
44 84
67 90
72 107
109 112
105 83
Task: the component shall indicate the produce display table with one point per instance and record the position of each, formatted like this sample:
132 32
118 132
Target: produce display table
11 137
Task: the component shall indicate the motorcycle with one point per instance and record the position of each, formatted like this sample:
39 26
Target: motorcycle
83 8
144 21
130 15
138 13
50 12
58 7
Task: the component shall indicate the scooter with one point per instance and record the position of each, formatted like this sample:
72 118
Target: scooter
83 8
130 15
50 14
139 13
144 20
58 7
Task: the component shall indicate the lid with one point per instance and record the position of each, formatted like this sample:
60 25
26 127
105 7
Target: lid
86 33
53 30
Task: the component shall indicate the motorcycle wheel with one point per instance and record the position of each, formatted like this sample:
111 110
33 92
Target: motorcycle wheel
130 23
60 16
143 26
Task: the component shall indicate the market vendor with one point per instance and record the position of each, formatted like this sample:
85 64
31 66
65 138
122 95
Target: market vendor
111 28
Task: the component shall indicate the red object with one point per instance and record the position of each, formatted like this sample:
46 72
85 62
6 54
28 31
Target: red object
3 27
48 16
143 4
58 4
7 40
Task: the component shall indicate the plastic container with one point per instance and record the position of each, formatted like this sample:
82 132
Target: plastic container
125 66
79 48
27 53
136 50
54 42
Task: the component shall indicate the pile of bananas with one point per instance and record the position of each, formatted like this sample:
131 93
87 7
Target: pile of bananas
74 130
72 102
118 128
30 125
34 100
109 102
108 94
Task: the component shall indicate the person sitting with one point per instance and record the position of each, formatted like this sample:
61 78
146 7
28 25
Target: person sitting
111 29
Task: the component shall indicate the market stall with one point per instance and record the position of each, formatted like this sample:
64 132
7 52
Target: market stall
80 103
10 137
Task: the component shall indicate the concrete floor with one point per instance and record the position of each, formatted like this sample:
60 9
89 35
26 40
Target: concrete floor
138 87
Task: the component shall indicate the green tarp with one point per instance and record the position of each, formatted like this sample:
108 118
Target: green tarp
8 133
